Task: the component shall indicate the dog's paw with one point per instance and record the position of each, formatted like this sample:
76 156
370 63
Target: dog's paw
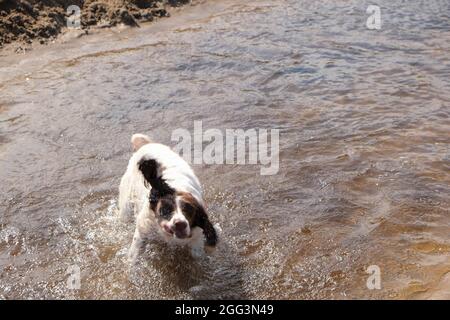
218 229
209 250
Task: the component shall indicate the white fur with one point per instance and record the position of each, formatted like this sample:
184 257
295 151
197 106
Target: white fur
134 192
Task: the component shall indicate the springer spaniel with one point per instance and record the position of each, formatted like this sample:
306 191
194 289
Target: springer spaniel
161 190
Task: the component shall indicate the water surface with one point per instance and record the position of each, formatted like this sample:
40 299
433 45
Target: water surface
364 173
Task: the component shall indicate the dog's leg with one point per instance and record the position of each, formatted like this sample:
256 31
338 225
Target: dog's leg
136 247
126 205
196 244
126 211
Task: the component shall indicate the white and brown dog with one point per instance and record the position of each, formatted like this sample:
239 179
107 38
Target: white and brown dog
161 190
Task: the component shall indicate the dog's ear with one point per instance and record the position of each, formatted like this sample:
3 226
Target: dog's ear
151 170
202 221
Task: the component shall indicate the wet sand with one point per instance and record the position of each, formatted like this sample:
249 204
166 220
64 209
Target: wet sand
24 22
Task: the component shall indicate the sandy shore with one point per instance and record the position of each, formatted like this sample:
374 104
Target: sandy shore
24 22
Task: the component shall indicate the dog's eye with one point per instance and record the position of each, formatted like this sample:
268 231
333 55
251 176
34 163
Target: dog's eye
165 212
188 209
154 196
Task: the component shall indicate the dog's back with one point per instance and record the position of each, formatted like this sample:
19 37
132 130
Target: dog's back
134 192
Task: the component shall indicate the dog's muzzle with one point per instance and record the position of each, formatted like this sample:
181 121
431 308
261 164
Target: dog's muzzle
178 229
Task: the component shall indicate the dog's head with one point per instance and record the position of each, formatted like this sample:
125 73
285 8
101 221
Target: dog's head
177 213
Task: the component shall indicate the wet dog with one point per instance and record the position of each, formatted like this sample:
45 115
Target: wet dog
162 192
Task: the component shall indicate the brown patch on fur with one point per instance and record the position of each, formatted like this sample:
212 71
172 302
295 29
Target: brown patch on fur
196 214
189 206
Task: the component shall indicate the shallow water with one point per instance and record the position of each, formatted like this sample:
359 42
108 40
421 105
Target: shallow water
364 173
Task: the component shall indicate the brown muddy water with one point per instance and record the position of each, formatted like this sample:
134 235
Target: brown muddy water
364 152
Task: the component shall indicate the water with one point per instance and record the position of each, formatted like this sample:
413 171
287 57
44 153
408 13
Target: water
364 173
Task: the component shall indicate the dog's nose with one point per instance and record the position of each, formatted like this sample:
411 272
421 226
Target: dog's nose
179 226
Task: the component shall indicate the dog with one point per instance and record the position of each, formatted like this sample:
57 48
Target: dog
159 189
